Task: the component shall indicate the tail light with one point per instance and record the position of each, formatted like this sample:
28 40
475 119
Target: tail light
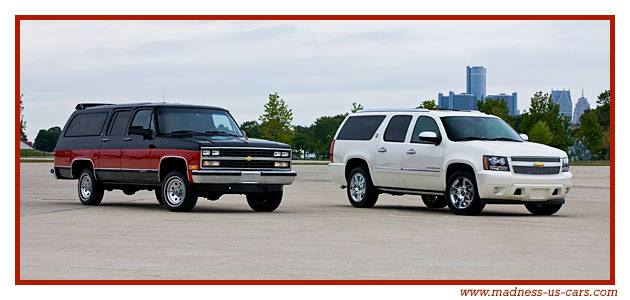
332 150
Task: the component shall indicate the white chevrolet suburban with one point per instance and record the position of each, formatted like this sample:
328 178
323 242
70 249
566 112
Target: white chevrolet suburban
463 159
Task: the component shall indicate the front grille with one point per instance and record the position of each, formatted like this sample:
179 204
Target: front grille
243 164
536 170
247 152
536 158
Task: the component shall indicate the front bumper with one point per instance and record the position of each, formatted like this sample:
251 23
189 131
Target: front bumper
526 188
243 177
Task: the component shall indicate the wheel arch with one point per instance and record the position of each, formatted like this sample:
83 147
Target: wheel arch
355 162
79 164
457 166
172 163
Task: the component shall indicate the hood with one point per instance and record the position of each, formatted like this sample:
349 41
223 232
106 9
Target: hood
506 148
227 141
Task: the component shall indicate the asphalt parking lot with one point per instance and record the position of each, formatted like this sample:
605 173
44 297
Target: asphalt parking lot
315 234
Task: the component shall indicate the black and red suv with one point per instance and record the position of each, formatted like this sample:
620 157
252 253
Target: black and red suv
181 151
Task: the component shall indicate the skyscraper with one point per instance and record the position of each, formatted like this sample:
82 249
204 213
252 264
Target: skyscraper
581 105
511 100
476 82
563 98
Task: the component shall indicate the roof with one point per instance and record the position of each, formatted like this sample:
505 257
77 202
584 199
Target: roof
442 112
90 106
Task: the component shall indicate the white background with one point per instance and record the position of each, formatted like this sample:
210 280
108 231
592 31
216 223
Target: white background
7 219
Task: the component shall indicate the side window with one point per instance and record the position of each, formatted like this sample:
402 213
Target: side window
118 126
424 123
143 118
86 124
360 128
397 129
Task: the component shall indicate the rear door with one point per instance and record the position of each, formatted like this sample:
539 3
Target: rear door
389 153
422 161
110 152
136 151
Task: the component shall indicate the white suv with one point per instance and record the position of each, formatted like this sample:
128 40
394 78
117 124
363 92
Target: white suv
463 159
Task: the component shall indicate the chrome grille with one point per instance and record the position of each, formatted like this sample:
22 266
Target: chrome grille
245 158
535 158
536 170
247 152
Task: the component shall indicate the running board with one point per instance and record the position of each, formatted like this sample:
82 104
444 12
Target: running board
409 191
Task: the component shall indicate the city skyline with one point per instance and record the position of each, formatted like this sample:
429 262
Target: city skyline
317 67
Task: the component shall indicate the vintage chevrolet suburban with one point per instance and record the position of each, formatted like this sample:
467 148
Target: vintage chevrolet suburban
181 151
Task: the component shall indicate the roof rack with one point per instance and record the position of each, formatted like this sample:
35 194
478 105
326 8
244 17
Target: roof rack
86 105
394 110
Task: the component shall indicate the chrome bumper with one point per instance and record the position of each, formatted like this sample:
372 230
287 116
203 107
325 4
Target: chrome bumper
243 177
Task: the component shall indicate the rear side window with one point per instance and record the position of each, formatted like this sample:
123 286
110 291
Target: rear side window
397 129
86 124
118 126
424 123
360 128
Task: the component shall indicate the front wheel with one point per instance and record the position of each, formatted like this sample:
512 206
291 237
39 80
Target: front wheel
543 209
434 201
266 201
90 190
461 194
178 193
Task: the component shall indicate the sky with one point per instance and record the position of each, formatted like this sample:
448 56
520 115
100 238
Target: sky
318 67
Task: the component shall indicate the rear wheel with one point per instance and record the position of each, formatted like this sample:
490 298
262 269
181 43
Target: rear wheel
434 201
361 192
461 194
178 193
543 209
90 190
266 201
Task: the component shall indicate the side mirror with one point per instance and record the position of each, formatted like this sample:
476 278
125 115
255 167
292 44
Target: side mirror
139 130
429 136
244 133
524 136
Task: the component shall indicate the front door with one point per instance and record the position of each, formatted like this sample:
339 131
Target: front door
389 153
109 168
136 152
422 162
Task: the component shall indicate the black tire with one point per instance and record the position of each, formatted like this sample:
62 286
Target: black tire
90 190
434 201
159 196
178 194
361 193
542 209
471 205
267 201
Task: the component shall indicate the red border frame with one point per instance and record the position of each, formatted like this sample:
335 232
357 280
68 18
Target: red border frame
610 18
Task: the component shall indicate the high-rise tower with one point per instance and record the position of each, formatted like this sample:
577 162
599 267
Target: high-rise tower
476 82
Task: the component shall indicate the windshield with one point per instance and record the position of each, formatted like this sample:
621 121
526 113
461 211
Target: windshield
177 120
466 128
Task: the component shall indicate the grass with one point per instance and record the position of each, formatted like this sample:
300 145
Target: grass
36 160
590 163
34 153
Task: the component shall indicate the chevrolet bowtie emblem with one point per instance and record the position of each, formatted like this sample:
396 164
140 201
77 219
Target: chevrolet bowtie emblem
249 158
539 164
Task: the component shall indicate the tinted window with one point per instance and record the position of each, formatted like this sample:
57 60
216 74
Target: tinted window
397 129
196 120
360 128
86 124
119 124
424 124
465 128
143 119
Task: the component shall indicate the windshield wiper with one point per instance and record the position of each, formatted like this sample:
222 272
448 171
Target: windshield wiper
472 138
185 132
505 139
221 133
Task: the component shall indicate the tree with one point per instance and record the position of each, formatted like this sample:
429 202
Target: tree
251 128
22 122
302 140
540 133
429 104
543 108
591 134
275 123
324 130
497 107
46 140
356 107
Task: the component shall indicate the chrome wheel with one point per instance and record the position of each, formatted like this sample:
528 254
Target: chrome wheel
175 191
85 186
462 192
357 187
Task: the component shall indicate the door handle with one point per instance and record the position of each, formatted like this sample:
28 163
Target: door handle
127 139
411 151
104 140
382 149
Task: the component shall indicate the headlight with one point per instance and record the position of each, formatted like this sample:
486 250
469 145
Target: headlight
495 163
285 154
565 164
277 154
215 152
281 164
211 163
205 152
